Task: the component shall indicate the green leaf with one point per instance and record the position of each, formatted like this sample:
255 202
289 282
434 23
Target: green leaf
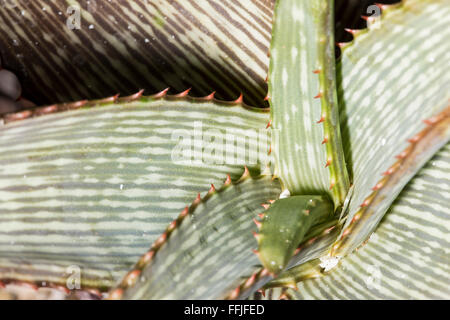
284 226
121 46
208 250
93 187
393 77
408 256
307 144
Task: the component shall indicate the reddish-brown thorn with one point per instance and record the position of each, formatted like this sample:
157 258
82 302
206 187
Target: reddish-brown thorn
228 180
263 292
116 294
235 293
356 218
325 140
246 172
250 281
319 95
212 189
266 98
256 235
271 201
365 18
402 155
261 215
131 277
345 233
258 224
332 184
172 225
133 97
351 31
184 212
46 110
265 272
161 94
341 44
297 251
322 119
148 257
365 203
183 94
328 163
317 71
388 172
162 238
210 96
269 124
378 186
78 104
197 200
431 121
414 139
265 206
270 150
239 100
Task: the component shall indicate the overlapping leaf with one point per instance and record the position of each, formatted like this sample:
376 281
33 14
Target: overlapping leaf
208 253
302 92
408 255
95 187
393 77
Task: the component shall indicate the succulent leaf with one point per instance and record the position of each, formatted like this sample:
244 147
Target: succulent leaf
408 256
302 93
284 226
93 187
385 100
209 251
123 45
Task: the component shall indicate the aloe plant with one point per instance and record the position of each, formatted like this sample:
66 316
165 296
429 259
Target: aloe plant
338 190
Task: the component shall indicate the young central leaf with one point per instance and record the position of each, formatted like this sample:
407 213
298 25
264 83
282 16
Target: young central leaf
284 226
306 136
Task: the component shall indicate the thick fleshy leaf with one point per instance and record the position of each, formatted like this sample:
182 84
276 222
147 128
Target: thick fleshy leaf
284 226
393 78
207 251
67 50
123 45
94 187
408 256
308 150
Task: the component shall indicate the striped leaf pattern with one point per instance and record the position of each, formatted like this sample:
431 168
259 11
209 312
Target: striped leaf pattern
144 44
96 186
209 252
303 100
393 77
285 225
408 257
124 45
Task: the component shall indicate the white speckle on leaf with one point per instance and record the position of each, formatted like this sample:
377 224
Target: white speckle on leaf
285 194
328 263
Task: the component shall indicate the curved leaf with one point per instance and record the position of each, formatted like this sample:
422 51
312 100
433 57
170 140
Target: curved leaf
90 189
67 50
284 226
408 256
207 251
393 77
307 145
